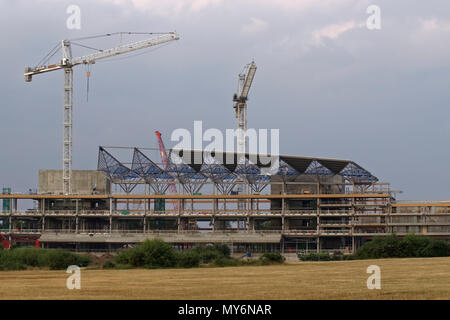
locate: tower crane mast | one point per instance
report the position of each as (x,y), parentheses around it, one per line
(240,104)
(67,63)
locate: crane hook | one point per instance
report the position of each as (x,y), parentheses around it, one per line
(88,75)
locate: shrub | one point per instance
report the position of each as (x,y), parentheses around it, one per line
(410,246)
(435,248)
(20,258)
(109,265)
(337,255)
(32,257)
(380,247)
(189,259)
(207,254)
(223,249)
(211,253)
(12,265)
(61,259)
(123,266)
(158,254)
(322,256)
(272,257)
(123,257)
(225,262)
(150,254)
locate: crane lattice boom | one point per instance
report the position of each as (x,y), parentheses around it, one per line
(66,63)
(245,81)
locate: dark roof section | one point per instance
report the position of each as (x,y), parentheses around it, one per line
(300,164)
(335,166)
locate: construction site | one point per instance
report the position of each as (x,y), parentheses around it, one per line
(191,197)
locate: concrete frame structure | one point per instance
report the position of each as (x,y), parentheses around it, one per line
(310,204)
(336,221)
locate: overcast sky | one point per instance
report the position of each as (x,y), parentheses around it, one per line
(334,88)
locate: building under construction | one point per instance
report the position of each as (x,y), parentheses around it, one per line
(307,204)
(310,204)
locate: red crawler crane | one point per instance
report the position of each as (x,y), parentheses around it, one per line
(4,242)
(165,161)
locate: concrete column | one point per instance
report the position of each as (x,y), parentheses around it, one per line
(318,244)
(10,215)
(76,216)
(215,206)
(42,215)
(110,214)
(318,217)
(145,222)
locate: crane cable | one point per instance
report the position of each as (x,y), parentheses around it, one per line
(116,33)
(49,55)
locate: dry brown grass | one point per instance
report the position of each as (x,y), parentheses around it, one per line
(401,279)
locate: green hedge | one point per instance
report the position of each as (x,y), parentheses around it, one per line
(150,254)
(189,259)
(212,252)
(272,257)
(158,254)
(410,246)
(22,258)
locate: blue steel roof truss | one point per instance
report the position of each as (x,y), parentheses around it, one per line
(193,177)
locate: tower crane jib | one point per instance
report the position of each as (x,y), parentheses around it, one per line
(66,63)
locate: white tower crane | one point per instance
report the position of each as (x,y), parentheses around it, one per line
(67,63)
(240,104)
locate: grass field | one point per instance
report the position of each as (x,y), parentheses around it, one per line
(400,279)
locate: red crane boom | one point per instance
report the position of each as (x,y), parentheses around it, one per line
(165,161)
